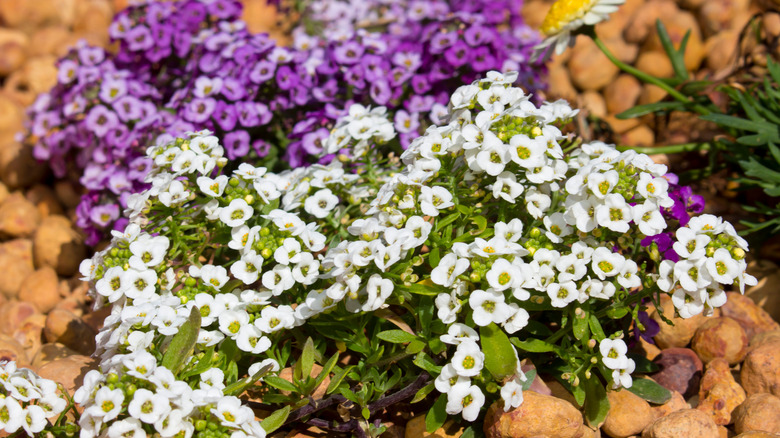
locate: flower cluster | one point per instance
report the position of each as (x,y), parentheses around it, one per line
(492,238)
(28,402)
(193,65)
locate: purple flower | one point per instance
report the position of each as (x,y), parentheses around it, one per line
(405,122)
(651,328)
(139,38)
(380,92)
(442,41)
(100,120)
(225,115)
(458,54)
(286,78)
(103,215)
(200,109)
(236,144)
(261,148)
(312,141)
(262,71)
(128,108)
(348,53)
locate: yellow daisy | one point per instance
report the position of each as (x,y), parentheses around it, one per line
(567,16)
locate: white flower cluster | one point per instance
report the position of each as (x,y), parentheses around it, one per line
(359,129)
(153,397)
(27,401)
(613,356)
(711,255)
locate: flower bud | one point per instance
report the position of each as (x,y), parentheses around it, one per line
(738,253)
(587,374)
(536,131)
(249,199)
(475,277)
(221,162)
(592,344)
(266,253)
(535,232)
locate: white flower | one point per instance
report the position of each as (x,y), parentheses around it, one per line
(321,203)
(231,322)
(458,333)
(236,213)
(722,267)
(489,306)
(231,413)
(248,268)
(622,376)
(511,232)
(289,252)
(465,399)
(11,414)
(606,263)
(613,353)
(507,187)
(504,275)
(214,276)
(212,187)
(627,276)
(278,280)
(148,406)
(692,275)
(570,268)
(492,156)
(648,218)
(306,270)
(689,303)
(601,184)
(434,199)
(468,359)
(448,378)
(536,202)
(556,227)
(561,294)
(528,153)
(614,213)
(275,318)
(140,283)
(448,306)
(378,290)
(127,428)
(108,403)
(174,194)
(113,284)
(518,320)
(148,251)
(690,244)
(706,223)
(654,188)
(512,394)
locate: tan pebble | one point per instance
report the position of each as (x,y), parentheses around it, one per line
(18,216)
(539,415)
(589,67)
(619,125)
(560,85)
(13,117)
(622,93)
(67,328)
(68,193)
(59,245)
(721,49)
(534,12)
(69,371)
(766,294)
(651,94)
(12,57)
(625,52)
(3,193)
(48,41)
(677,26)
(30,334)
(642,22)
(18,168)
(628,414)
(655,63)
(676,403)
(45,200)
(594,104)
(50,352)
(416,428)
(719,393)
(558,390)
(17,87)
(72,305)
(41,289)
(761,370)
(688,423)
(16,258)
(14,314)
(771,24)
(763,338)
(642,135)
(759,412)
(41,73)
(717,15)
(681,333)
(720,338)
(12,350)
(758,434)
(691,4)
(8,35)
(93,17)
(613,28)
(750,316)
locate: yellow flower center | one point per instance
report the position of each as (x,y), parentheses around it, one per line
(562,13)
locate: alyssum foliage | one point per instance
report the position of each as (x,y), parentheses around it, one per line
(497,239)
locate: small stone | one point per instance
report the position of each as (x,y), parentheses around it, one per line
(720,338)
(763,338)
(628,414)
(538,416)
(677,26)
(721,49)
(49,41)
(18,168)
(41,289)
(676,403)
(761,370)
(12,350)
(69,371)
(18,216)
(642,22)
(716,15)
(680,370)
(766,294)
(594,104)
(58,245)
(263,17)
(589,67)
(642,135)
(13,314)
(688,423)
(760,412)
(30,334)
(758,434)
(750,316)
(51,352)
(45,200)
(68,193)
(12,120)
(621,126)
(655,63)
(12,56)
(559,84)
(719,393)
(622,93)
(40,73)
(16,259)
(558,390)
(681,333)
(651,94)
(416,428)
(67,328)
(3,193)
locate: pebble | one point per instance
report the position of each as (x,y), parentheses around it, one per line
(12,350)
(750,316)
(67,328)
(45,200)
(679,334)
(688,423)
(69,371)
(59,245)
(18,168)
(766,294)
(538,416)
(628,414)
(676,403)
(415,428)
(719,393)
(761,370)
(589,67)
(758,434)
(18,216)
(759,412)
(16,258)
(680,370)
(720,338)
(622,93)
(41,289)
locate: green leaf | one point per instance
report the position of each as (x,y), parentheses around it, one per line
(480,222)
(437,415)
(757,170)
(501,360)
(533,345)
(464,210)
(433,257)
(183,343)
(275,420)
(580,325)
(529,379)
(596,403)
(676,57)
(424,361)
(338,378)
(307,359)
(649,108)
(742,124)
(326,369)
(281,384)
(423,392)
(643,365)
(396,336)
(617,311)
(415,347)
(595,328)
(450,218)
(239,386)
(650,391)
(423,289)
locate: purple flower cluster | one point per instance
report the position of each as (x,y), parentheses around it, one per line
(685,205)
(192,65)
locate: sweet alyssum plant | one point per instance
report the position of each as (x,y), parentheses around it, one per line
(495,239)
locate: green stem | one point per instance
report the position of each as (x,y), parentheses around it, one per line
(669,149)
(646,77)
